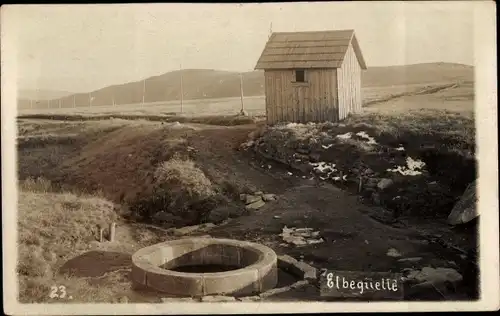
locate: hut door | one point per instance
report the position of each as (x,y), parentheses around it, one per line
(300,104)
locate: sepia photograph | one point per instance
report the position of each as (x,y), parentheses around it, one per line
(260,157)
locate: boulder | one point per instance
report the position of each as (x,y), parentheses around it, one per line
(368,172)
(255,205)
(465,209)
(393,253)
(384,183)
(252,199)
(268,197)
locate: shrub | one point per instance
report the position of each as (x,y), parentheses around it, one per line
(181,190)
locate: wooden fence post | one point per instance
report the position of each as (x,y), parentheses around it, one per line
(101,234)
(112,229)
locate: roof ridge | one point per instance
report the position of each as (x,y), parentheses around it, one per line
(319,31)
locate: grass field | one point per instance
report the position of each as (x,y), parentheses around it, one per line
(393,97)
(75,174)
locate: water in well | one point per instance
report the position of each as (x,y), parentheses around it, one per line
(207,268)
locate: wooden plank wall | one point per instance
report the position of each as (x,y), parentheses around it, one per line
(289,102)
(349,85)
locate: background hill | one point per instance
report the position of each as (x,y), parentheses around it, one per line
(207,84)
(42,94)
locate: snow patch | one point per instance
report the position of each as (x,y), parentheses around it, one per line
(300,236)
(364,135)
(323,166)
(326,146)
(413,167)
(344,136)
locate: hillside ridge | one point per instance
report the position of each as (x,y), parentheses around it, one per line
(212,83)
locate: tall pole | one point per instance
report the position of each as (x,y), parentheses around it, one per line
(90,99)
(241,91)
(182,90)
(113,98)
(143,90)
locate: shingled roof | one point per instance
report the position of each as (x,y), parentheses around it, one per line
(321,49)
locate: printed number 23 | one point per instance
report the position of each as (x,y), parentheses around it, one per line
(57,292)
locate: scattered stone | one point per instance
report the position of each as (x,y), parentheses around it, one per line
(414,259)
(289,173)
(297,268)
(393,253)
(250,298)
(176,299)
(243,197)
(384,183)
(218,298)
(274,291)
(368,172)
(259,193)
(255,205)
(123,299)
(299,284)
(247,144)
(276,216)
(269,197)
(252,199)
(465,209)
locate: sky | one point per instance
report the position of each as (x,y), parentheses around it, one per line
(80,48)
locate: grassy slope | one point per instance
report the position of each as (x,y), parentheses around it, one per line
(53,228)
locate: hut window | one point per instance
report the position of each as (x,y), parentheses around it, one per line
(300,76)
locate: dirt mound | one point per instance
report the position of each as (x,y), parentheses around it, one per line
(121,163)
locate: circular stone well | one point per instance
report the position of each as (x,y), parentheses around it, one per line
(206,266)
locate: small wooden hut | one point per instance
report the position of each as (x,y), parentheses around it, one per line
(312,76)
